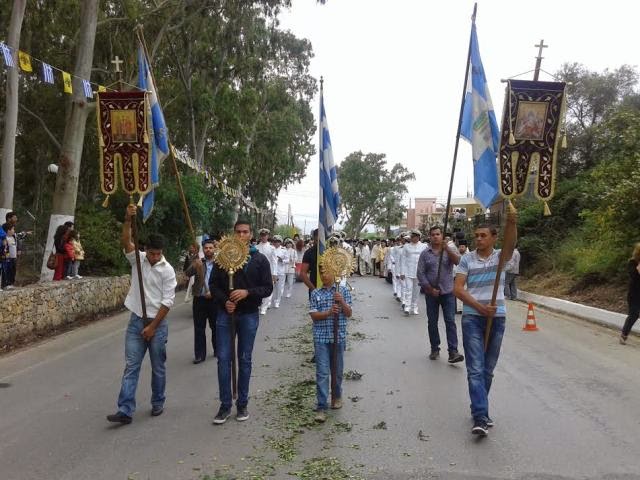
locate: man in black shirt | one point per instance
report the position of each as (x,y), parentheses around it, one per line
(309,269)
(251,284)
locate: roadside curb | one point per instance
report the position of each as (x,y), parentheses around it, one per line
(592,314)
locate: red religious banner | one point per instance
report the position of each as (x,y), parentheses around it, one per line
(123,137)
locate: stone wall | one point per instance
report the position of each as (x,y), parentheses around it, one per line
(38,309)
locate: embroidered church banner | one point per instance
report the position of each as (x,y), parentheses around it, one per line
(123,139)
(532,126)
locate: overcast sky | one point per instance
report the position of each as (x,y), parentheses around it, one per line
(394,73)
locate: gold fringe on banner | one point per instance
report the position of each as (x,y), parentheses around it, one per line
(547,211)
(105,203)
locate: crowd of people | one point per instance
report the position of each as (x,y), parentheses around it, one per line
(451,277)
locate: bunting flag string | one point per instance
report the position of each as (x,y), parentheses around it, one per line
(26,64)
(212,181)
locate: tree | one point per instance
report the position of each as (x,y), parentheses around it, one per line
(11,112)
(368,190)
(591,97)
(65,195)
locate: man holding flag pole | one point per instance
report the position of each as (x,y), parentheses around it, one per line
(484,313)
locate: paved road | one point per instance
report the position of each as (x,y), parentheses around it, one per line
(565,402)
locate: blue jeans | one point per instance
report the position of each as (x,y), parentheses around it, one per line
(324,358)
(480,364)
(135,347)
(246,328)
(448,303)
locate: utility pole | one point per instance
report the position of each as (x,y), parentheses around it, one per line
(539,58)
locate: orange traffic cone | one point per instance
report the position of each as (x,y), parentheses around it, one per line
(530,325)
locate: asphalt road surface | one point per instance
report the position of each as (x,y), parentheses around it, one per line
(565,401)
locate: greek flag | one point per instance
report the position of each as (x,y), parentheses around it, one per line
(159,139)
(479,127)
(47,73)
(6,53)
(88,91)
(329,196)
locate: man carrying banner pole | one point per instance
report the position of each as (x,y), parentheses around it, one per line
(480,270)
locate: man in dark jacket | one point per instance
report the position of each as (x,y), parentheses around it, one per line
(251,284)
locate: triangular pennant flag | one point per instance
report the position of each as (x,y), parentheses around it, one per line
(25,61)
(66,79)
(102,89)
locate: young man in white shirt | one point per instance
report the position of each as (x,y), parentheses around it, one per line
(282,259)
(408,272)
(159,281)
(268,250)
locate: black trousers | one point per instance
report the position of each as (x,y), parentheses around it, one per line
(634,312)
(203,310)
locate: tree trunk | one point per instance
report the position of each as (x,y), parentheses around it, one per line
(64,197)
(11,112)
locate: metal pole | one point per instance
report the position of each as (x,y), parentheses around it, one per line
(455,150)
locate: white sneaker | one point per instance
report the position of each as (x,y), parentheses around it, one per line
(9,287)
(277,305)
(69,278)
(415,312)
(78,277)
(288,296)
(263,311)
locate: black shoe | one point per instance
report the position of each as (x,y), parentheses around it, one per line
(242,414)
(198,360)
(434,354)
(119,417)
(455,357)
(222,416)
(157,410)
(480,427)
(490,422)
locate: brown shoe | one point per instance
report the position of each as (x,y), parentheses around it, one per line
(321,416)
(336,404)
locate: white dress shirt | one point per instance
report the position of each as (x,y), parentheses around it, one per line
(159,282)
(269,251)
(282,259)
(409,256)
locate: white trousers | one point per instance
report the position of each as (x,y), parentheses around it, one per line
(291,278)
(278,289)
(411,294)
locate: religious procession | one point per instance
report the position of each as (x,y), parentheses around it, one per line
(435,291)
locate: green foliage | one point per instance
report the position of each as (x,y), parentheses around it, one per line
(369,192)
(100,237)
(285,231)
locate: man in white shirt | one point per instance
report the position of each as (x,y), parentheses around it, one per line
(282,260)
(148,328)
(408,272)
(512,270)
(268,250)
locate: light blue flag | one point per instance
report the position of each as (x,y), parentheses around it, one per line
(479,127)
(329,196)
(159,139)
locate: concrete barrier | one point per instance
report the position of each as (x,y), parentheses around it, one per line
(44,307)
(592,314)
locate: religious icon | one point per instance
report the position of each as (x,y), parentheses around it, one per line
(530,120)
(123,126)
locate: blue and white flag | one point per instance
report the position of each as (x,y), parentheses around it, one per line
(329,196)
(6,53)
(479,127)
(159,139)
(47,73)
(88,91)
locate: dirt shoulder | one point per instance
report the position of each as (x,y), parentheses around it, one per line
(611,297)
